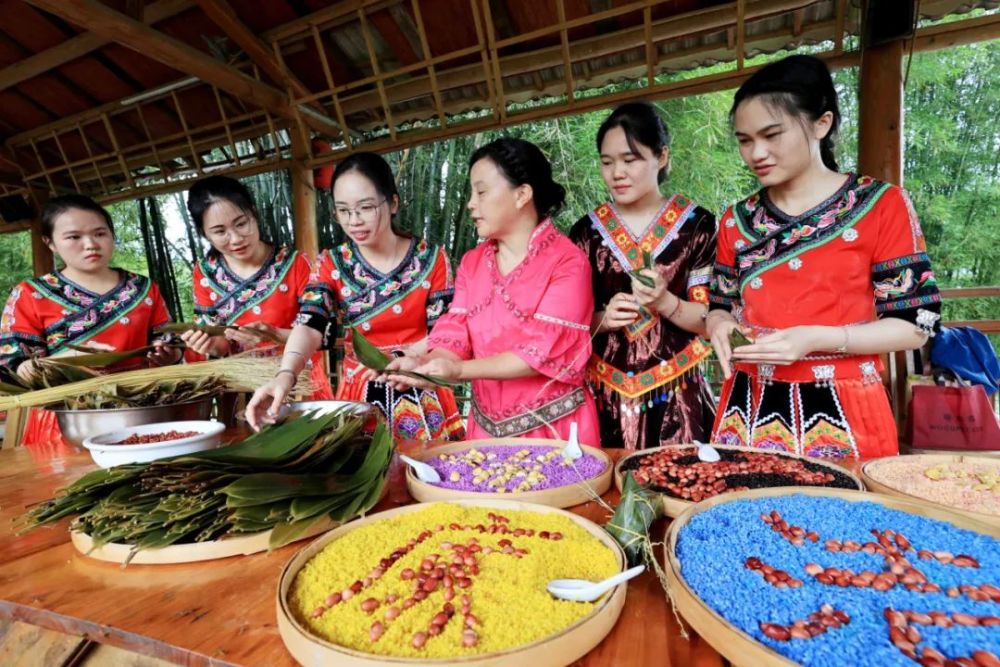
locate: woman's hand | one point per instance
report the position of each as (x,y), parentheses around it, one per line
(255,333)
(403,382)
(621,311)
(205,345)
(783,347)
(266,401)
(163,354)
(718,333)
(656,298)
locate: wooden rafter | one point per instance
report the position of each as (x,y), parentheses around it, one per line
(265,58)
(81,45)
(103,20)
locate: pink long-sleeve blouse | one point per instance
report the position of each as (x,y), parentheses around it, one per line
(540,311)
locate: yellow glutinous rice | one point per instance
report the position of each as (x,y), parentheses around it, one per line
(497,582)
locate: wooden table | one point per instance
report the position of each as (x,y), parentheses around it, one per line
(223,612)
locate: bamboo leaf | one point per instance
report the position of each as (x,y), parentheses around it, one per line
(738,339)
(369,355)
(286,533)
(93,359)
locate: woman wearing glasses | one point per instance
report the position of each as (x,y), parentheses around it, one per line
(243,280)
(390,287)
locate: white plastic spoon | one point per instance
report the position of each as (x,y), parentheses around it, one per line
(707,453)
(581,590)
(572,449)
(425,473)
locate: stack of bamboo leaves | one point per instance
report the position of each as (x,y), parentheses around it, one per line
(286,478)
(70,379)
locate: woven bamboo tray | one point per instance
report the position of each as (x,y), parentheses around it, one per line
(563,648)
(673,507)
(930,459)
(227,547)
(560,496)
(735,645)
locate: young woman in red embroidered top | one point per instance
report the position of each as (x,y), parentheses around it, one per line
(647,352)
(824,270)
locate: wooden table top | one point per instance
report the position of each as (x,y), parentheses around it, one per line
(223,612)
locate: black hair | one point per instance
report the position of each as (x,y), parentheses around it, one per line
(523,163)
(800,86)
(207,191)
(642,124)
(59,205)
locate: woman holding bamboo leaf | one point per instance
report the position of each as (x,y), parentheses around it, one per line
(390,288)
(518,328)
(651,257)
(824,270)
(85,305)
(243,283)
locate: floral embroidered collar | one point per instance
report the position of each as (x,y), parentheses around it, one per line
(659,233)
(772,237)
(235,295)
(87,313)
(540,239)
(366,291)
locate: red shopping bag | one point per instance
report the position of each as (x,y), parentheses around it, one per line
(952,418)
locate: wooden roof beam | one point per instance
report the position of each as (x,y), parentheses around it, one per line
(222,15)
(81,45)
(115,26)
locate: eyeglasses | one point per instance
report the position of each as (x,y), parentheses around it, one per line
(241,228)
(364,213)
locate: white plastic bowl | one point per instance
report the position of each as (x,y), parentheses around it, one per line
(106,454)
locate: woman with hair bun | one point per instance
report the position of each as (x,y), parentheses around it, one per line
(519,325)
(824,271)
(646,366)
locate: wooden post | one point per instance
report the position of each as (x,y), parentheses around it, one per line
(880,155)
(42,261)
(304,206)
(303,198)
(880,103)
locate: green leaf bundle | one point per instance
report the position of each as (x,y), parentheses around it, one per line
(738,339)
(638,508)
(647,260)
(373,358)
(286,478)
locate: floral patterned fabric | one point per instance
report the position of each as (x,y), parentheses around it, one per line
(271,295)
(393,310)
(647,376)
(858,256)
(45,315)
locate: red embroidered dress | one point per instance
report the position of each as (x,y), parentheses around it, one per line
(271,295)
(541,312)
(858,256)
(45,315)
(393,310)
(647,375)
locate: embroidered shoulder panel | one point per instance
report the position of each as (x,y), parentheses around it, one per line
(776,238)
(235,295)
(366,292)
(664,228)
(87,313)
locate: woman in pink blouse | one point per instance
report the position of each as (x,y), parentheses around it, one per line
(519,325)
